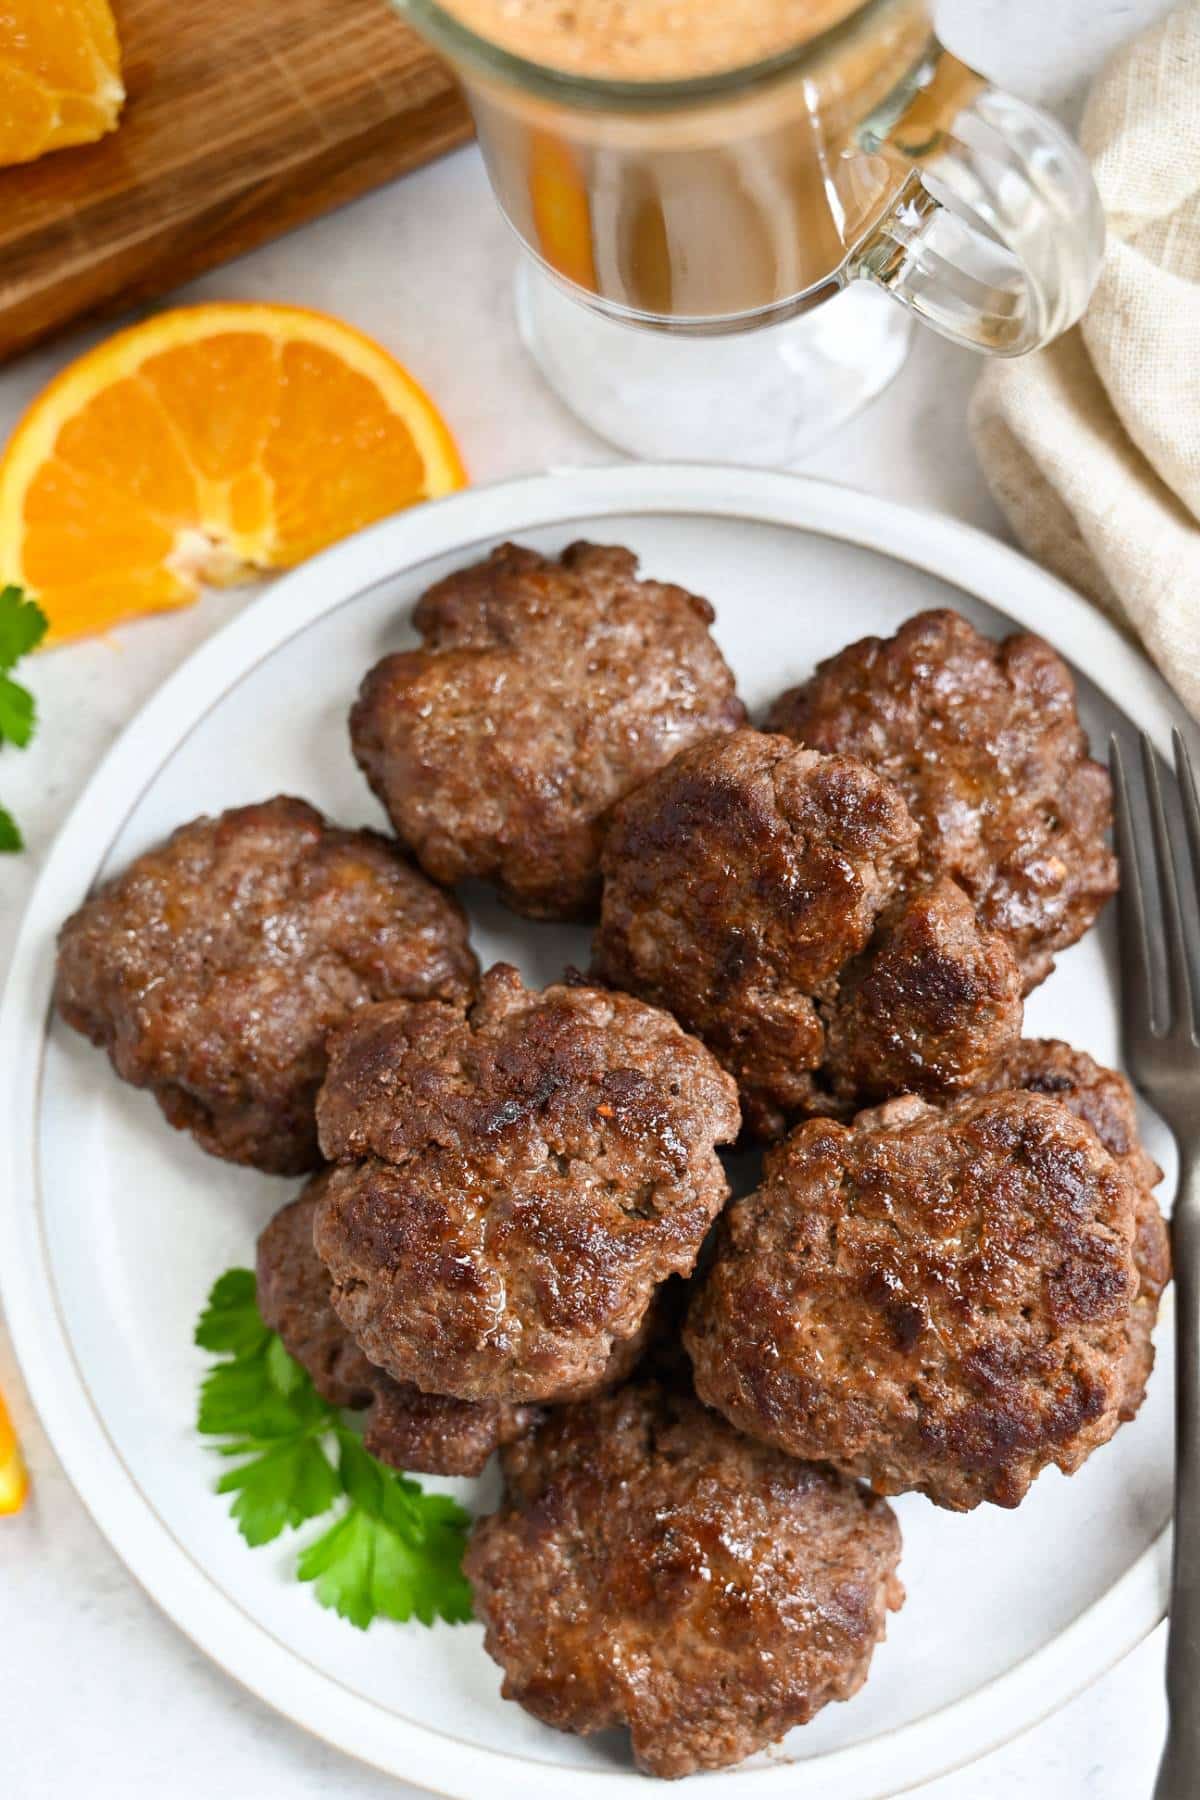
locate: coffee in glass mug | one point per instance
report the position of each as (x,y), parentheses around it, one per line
(720,168)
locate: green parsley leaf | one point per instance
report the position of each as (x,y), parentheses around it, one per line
(263,1400)
(396,1551)
(230,1323)
(18,712)
(289,1483)
(242,1399)
(23,625)
(287,1376)
(342,1564)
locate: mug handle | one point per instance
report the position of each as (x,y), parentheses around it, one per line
(996,236)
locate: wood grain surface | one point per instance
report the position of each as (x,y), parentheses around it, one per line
(244,118)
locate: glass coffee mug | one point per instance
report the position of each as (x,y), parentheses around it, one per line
(768,210)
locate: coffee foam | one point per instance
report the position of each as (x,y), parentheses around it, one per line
(649,40)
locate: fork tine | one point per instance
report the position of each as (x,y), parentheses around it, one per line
(1180,1012)
(1137,991)
(1191,800)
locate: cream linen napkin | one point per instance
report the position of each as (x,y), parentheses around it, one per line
(1092,447)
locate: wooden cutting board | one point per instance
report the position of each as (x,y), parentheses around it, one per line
(244,117)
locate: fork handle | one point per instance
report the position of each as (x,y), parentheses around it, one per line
(1179,1775)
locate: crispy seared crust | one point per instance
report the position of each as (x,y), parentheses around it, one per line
(213,968)
(431,1434)
(1104,1100)
(736,885)
(427,1434)
(651,1568)
(515,1182)
(984,742)
(933,1300)
(544,692)
(932,1007)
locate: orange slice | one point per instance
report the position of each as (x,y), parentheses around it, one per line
(60,75)
(14,1483)
(204,446)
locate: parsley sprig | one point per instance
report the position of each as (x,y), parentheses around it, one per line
(22,628)
(394,1551)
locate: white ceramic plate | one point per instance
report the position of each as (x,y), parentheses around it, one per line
(112,1227)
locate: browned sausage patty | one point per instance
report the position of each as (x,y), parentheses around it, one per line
(984,742)
(1104,1100)
(292,1294)
(213,968)
(933,1006)
(425,1433)
(516,1181)
(651,1568)
(737,883)
(941,1301)
(544,692)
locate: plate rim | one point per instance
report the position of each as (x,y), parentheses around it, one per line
(953,1736)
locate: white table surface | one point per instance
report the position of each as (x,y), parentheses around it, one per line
(99,1693)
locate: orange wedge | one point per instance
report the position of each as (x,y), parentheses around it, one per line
(204,446)
(14,1483)
(60,75)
